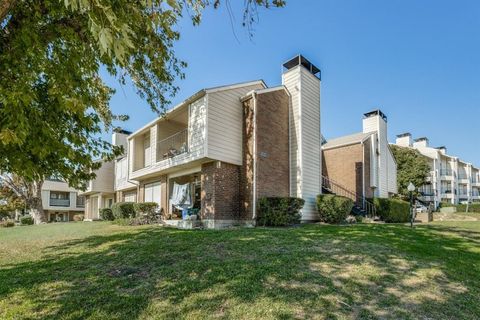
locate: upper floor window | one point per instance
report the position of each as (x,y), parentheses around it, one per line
(80,201)
(59,199)
(147,156)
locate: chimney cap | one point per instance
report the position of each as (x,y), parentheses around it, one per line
(421,139)
(122,131)
(301,60)
(402,135)
(441,148)
(377,112)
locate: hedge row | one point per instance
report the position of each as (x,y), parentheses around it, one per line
(472,207)
(392,210)
(279,211)
(142,213)
(333,208)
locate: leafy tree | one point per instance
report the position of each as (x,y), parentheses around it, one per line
(10,201)
(54,105)
(412,166)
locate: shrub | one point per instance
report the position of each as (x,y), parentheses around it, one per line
(26,220)
(333,208)
(123,210)
(279,211)
(106,214)
(473,207)
(147,212)
(7,223)
(392,210)
(78,217)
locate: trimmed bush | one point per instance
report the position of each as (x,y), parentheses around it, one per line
(26,220)
(7,224)
(472,207)
(78,217)
(392,210)
(122,210)
(106,214)
(147,212)
(279,211)
(333,208)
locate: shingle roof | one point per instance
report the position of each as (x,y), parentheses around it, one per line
(347,140)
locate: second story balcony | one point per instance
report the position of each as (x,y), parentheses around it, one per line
(446,172)
(60,202)
(173,145)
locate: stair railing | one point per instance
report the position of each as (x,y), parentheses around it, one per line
(360,201)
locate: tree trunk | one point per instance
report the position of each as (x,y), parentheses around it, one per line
(36,205)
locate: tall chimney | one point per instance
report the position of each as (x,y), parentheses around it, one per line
(421,143)
(119,138)
(404,140)
(302,80)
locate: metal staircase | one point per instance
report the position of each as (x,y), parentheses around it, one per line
(361,207)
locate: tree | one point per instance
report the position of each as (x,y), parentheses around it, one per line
(10,200)
(412,167)
(54,105)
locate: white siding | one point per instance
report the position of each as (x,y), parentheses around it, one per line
(392,174)
(62,187)
(104,182)
(305,154)
(225,123)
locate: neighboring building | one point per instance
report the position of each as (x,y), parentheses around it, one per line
(227,147)
(451,179)
(100,192)
(60,202)
(362,163)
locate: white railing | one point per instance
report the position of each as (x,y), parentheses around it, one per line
(60,202)
(173,146)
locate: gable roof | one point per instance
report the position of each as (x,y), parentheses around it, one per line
(347,140)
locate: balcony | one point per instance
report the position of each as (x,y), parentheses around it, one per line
(446,172)
(173,145)
(80,202)
(60,202)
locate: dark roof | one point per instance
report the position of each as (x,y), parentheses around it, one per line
(301,60)
(377,112)
(406,134)
(120,130)
(421,139)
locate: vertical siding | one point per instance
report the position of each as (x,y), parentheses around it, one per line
(225,119)
(311,153)
(197,123)
(291,80)
(104,182)
(305,154)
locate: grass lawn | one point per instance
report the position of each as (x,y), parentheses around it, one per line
(103,271)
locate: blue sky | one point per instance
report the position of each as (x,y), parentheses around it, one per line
(418,61)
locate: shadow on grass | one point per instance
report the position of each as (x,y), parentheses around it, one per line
(364,271)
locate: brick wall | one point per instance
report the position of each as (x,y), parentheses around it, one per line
(272,154)
(344,165)
(220,191)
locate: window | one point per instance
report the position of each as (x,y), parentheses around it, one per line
(130,196)
(153,192)
(109,203)
(80,201)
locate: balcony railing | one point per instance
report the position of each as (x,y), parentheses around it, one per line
(173,146)
(446,172)
(462,176)
(60,202)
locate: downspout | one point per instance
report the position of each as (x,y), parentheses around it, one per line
(254,191)
(363,174)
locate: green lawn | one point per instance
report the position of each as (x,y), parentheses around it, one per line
(105,271)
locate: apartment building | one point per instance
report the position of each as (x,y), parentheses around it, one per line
(451,180)
(362,164)
(223,148)
(61,202)
(100,191)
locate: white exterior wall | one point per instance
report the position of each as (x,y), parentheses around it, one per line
(104,181)
(225,124)
(305,141)
(386,167)
(61,187)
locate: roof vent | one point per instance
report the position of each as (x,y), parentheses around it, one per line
(301,60)
(403,135)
